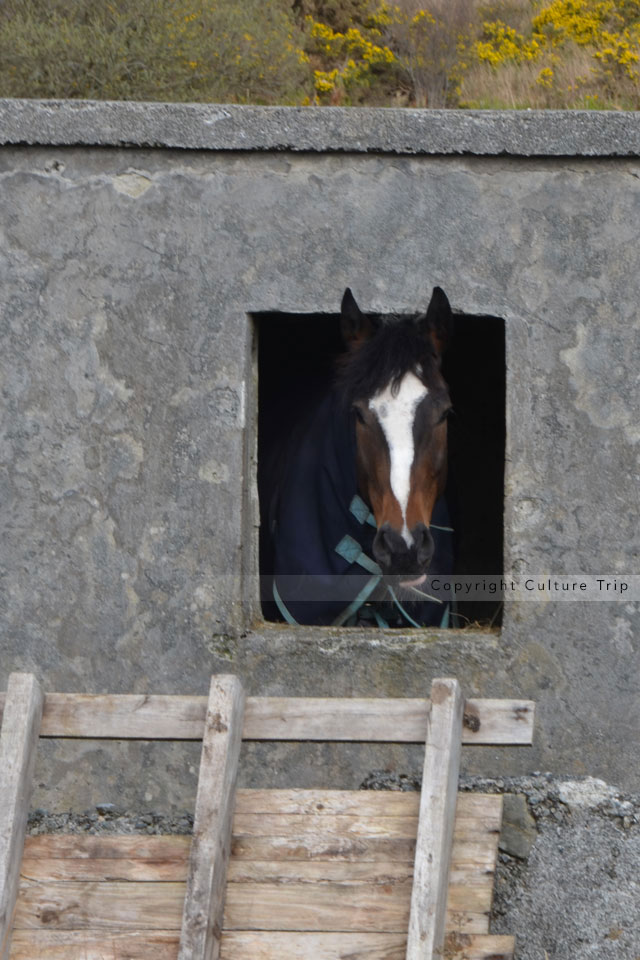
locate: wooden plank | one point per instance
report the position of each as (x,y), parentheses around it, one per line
(242,945)
(332,906)
(499,722)
(109,869)
(378,720)
(94,945)
(99,906)
(343,905)
(387,803)
(128,847)
(364,803)
(159,717)
(241,871)
(211,842)
(466,854)
(288,825)
(18,742)
(124,716)
(436,826)
(354,874)
(355,848)
(373,874)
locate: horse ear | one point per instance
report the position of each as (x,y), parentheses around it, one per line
(438,321)
(355,326)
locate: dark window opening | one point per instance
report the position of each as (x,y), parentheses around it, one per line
(474,368)
(296,360)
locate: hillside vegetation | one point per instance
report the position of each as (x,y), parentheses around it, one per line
(449,53)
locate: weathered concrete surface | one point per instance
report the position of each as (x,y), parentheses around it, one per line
(197,126)
(128,278)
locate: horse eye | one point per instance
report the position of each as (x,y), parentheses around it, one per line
(445,414)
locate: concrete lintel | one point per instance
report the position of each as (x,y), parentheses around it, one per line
(195,126)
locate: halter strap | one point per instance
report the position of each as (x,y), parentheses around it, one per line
(351,551)
(361,511)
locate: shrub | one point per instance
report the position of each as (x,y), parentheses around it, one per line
(587,54)
(152,50)
(430,44)
(347,64)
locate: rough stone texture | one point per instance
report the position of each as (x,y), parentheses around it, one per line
(527,133)
(128,397)
(518,827)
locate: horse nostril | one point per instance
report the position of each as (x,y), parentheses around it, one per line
(423,542)
(387,543)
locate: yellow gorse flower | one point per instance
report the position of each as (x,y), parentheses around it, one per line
(503,44)
(354,52)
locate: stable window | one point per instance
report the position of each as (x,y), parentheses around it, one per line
(297,355)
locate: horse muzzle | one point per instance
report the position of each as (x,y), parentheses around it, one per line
(398,559)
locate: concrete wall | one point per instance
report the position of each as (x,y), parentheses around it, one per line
(130,269)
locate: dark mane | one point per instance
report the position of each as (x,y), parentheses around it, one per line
(397,347)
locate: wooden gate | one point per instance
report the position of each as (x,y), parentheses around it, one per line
(286,874)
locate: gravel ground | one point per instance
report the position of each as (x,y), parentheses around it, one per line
(568,878)
(577,894)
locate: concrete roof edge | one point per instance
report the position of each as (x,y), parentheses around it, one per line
(198,126)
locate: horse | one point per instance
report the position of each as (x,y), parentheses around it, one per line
(356,518)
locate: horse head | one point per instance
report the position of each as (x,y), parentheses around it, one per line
(391,378)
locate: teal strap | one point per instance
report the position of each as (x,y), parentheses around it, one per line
(281,606)
(402,609)
(437,527)
(351,551)
(380,620)
(362,598)
(361,511)
(445,617)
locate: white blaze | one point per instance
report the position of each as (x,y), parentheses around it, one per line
(396,415)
